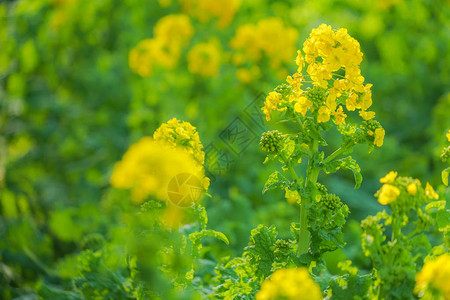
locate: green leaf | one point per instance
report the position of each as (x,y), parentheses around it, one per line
(197,236)
(444,176)
(347,163)
(260,249)
(275,180)
(288,148)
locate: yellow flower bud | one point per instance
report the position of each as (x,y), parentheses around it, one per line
(388,194)
(412,189)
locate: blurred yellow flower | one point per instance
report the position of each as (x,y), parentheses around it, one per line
(411,189)
(448,135)
(289,284)
(205,10)
(148,166)
(171,33)
(389,177)
(432,282)
(174,30)
(204,59)
(269,39)
(430,193)
(388,194)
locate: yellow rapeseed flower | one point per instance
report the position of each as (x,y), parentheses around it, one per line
(411,189)
(434,278)
(183,134)
(171,33)
(205,10)
(174,30)
(269,39)
(323,114)
(148,166)
(289,284)
(379,137)
(339,115)
(448,135)
(389,177)
(204,59)
(388,194)
(271,104)
(302,105)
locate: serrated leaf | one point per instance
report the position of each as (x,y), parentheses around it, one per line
(347,163)
(275,180)
(288,148)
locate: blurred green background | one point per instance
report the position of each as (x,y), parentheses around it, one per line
(70,105)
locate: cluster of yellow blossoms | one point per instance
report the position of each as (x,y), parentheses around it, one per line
(171,33)
(389,192)
(179,133)
(289,284)
(333,59)
(204,59)
(150,164)
(205,10)
(433,281)
(269,41)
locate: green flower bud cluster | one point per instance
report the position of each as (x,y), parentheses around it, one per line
(283,89)
(317,95)
(331,201)
(371,125)
(321,188)
(271,141)
(445,155)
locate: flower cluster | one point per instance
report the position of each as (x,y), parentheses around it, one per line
(171,33)
(394,186)
(205,10)
(333,58)
(204,59)
(432,282)
(148,166)
(268,42)
(289,284)
(179,133)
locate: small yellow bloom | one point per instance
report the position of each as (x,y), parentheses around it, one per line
(448,135)
(379,137)
(302,105)
(367,115)
(412,189)
(289,284)
(389,177)
(339,115)
(323,114)
(430,193)
(388,194)
(271,104)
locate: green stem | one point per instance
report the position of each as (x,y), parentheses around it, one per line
(311,178)
(336,153)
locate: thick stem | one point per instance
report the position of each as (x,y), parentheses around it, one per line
(311,178)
